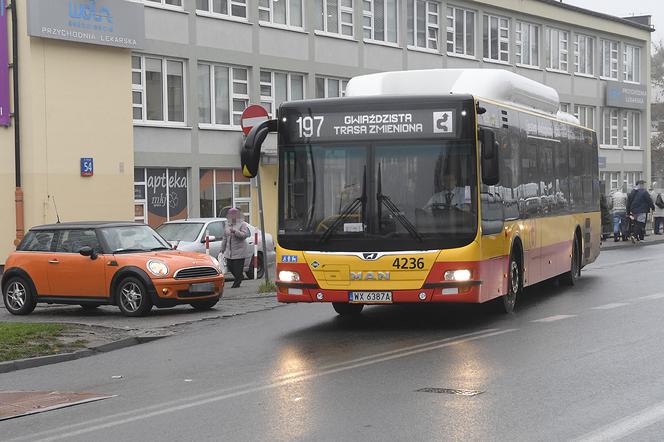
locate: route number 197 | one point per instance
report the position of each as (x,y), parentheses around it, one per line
(308,125)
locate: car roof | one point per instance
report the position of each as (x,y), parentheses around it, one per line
(86,225)
(194,220)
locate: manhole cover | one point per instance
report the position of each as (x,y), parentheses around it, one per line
(450,391)
(22,403)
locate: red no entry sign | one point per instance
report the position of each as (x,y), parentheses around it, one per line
(252,116)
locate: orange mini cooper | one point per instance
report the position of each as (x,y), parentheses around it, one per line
(118,263)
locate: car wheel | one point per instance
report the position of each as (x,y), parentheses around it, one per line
(345,309)
(261,268)
(19,297)
(205,304)
(133,298)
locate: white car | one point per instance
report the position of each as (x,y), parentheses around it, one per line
(189,236)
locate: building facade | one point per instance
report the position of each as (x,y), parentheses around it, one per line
(203,61)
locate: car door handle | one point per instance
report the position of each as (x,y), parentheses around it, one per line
(54,261)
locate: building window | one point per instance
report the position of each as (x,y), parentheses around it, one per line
(611,179)
(380,20)
(586,115)
(564,107)
(558,41)
(423,24)
(228,8)
(460,31)
(176,3)
(158,90)
(160,195)
(630,179)
(584,54)
(327,87)
(277,87)
(496,38)
(631,129)
(335,17)
(609,56)
(282,12)
(610,127)
(632,64)
(222,189)
(223,94)
(527,43)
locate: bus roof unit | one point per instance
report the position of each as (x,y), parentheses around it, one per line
(492,84)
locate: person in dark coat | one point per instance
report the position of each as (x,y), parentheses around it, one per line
(639,204)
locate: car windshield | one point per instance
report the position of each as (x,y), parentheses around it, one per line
(416,194)
(128,239)
(187,232)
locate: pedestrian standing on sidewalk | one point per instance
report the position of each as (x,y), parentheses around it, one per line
(639,204)
(618,204)
(234,245)
(659,211)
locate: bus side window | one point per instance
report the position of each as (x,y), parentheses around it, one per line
(529,187)
(510,170)
(491,197)
(561,168)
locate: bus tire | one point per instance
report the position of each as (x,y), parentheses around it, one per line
(345,309)
(507,302)
(570,277)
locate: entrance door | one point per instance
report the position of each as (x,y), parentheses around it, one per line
(70,273)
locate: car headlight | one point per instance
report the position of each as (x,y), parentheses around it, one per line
(289,276)
(216,263)
(157,268)
(458,275)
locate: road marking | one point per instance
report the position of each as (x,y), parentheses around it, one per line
(610,306)
(627,425)
(652,297)
(140,414)
(554,318)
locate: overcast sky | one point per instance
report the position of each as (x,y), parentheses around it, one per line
(624,8)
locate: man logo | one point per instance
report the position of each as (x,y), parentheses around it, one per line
(370,276)
(443,122)
(370,256)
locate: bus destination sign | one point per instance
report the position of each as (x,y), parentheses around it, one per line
(429,123)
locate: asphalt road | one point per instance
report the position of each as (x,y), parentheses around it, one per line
(584,363)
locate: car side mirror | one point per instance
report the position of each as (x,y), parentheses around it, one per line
(489,157)
(88,251)
(210,238)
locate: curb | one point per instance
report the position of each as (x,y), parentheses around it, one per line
(629,245)
(22,364)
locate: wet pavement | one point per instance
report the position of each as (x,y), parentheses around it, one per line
(582,362)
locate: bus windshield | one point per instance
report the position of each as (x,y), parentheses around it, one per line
(416,194)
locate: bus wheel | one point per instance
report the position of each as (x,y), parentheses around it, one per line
(507,302)
(570,277)
(347,310)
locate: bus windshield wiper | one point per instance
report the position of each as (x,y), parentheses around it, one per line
(384,200)
(359,202)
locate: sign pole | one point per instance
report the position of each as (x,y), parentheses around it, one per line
(266,267)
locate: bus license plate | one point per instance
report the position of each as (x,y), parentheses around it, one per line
(370,297)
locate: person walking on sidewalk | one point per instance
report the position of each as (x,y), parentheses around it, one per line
(618,206)
(658,222)
(639,204)
(234,246)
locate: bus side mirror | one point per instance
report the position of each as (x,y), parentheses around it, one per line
(489,155)
(251,151)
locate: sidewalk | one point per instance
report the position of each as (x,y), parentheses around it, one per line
(650,240)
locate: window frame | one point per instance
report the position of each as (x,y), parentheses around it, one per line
(343,83)
(519,44)
(589,42)
(270,11)
(163,5)
(144,121)
(562,53)
(631,140)
(371,15)
(146,212)
(229,7)
(341,10)
(631,52)
(271,100)
(614,126)
(582,112)
(488,39)
(234,200)
(470,50)
(413,28)
(613,62)
(232,96)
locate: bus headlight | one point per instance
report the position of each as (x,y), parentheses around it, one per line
(458,275)
(157,268)
(289,276)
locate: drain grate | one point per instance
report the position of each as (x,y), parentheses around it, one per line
(454,391)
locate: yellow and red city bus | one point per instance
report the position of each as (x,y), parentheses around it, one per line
(430,186)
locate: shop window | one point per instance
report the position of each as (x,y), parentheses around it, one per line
(460,31)
(282,12)
(327,87)
(527,44)
(496,38)
(335,17)
(158,90)
(221,189)
(380,21)
(223,94)
(228,8)
(277,87)
(160,195)
(423,24)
